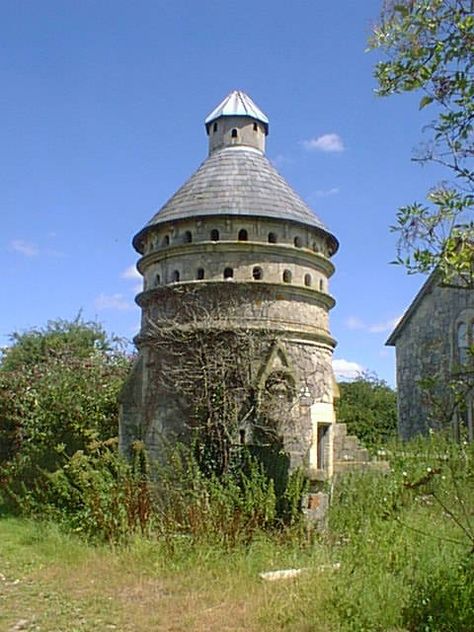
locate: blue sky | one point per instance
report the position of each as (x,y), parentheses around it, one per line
(102,108)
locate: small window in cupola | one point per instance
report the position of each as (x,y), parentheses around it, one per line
(255,127)
(243,235)
(234,133)
(214,128)
(188,237)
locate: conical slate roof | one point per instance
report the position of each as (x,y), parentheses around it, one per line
(236,181)
(237,103)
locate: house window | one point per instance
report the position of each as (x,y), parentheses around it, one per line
(200,274)
(166,240)
(272,238)
(243,235)
(214,234)
(297,241)
(463,343)
(321,285)
(214,127)
(188,237)
(307,280)
(257,273)
(228,273)
(287,276)
(175,276)
(255,127)
(157,280)
(234,133)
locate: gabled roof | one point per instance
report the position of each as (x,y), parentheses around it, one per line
(237,103)
(425,289)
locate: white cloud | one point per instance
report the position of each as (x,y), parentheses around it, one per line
(112,301)
(326,192)
(131,273)
(346,369)
(23,247)
(326,142)
(355,323)
(388,325)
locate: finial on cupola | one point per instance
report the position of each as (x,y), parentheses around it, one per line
(236,121)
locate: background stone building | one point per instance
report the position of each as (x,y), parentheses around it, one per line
(236,249)
(434,366)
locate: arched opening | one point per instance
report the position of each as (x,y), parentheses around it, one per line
(234,133)
(166,240)
(272,238)
(255,127)
(321,285)
(214,234)
(298,242)
(257,273)
(243,235)
(214,128)
(287,276)
(188,237)
(200,274)
(175,276)
(157,280)
(228,273)
(308,280)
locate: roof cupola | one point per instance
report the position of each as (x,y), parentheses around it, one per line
(236,121)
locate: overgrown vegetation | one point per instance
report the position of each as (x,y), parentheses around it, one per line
(58,394)
(397,554)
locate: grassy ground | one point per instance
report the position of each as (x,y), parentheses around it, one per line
(403,565)
(52,582)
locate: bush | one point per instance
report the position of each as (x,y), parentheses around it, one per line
(58,393)
(369,408)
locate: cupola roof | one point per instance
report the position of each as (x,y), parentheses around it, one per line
(236,180)
(237,103)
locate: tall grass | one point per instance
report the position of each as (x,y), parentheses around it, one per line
(397,553)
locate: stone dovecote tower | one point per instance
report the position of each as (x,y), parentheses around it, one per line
(237,234)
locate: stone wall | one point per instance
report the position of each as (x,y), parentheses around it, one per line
(426,349)
(154,413)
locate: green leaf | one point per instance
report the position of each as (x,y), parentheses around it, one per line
(426,100)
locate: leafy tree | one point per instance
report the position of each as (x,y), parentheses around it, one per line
(429,47)
(369,408)
(77,337)
(58,393)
